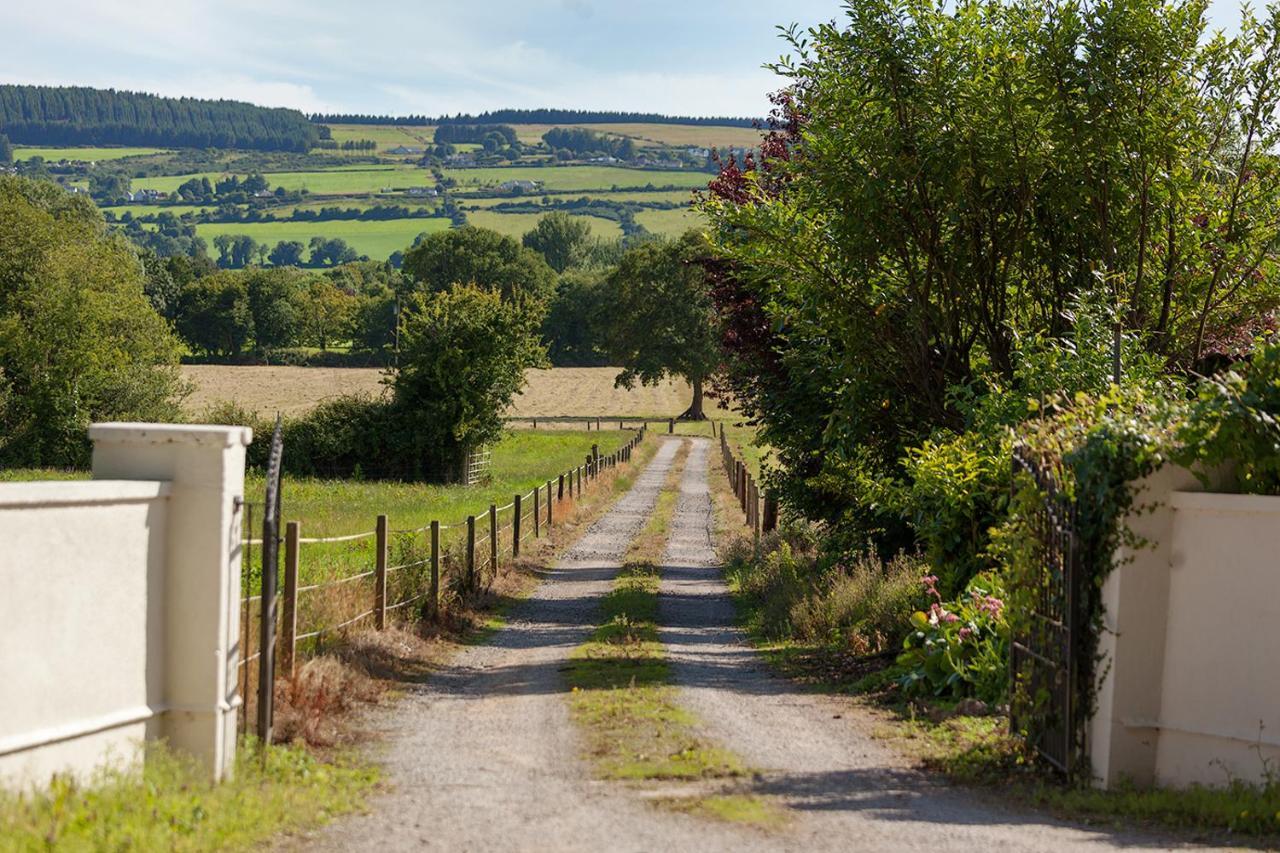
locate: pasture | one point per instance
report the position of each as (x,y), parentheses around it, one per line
(678,135)
(89,154)
(385,135)
(575,178)
(580,391)
(376,238)
(521,460)
(670,223)
(517,224)
(342,180)
(682,197)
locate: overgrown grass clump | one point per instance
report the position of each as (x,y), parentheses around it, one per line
(169,805)
(789,592)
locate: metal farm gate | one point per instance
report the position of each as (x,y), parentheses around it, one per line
(1044,670)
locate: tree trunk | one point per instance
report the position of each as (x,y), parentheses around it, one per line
(694,412)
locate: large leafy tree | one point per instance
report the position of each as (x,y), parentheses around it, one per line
(79,340)
(215,315)
(486,259)
(563,240)
(659,320)
(946,185)
(463,357)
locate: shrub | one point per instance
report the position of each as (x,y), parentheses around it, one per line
(961,647)
(796,593)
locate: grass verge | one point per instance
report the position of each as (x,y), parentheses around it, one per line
(167,805)
(977,751)
(622,697)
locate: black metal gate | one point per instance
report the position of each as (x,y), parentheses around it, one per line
(266,599)
(1046,698)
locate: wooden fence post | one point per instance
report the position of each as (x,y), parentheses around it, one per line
(380,576)
(549,520)
(770,513)
(435,569)
(671,426)
(560,491)
(597,423)
(471,552)
(289,620)
(515,530)
(535,423)
(537,513)
(493,539)
(588,424)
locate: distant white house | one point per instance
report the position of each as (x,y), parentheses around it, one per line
(146,195)
(463,159)
(519,186)
(430,192)
(404,149)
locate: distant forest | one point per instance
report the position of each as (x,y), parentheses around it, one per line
(65,115)
(538,117)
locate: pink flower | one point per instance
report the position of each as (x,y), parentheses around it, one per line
(964,633)
(938,613)
(992,606)
(931,586)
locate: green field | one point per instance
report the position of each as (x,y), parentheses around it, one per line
(682,197)
(387,136)
(375,239)
(343,180)
(94,154)
(575,178)
(671,223)
(517,224)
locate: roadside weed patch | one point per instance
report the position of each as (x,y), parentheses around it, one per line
(167,805)
(732,808)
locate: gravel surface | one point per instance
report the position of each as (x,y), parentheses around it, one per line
(845,789)
(485,756)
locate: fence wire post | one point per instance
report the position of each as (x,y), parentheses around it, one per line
(549,505)
(380,576)
(537,513)
(560,490)
(435,569)
(493,539)
(471,552)
(515,530)
(289,619)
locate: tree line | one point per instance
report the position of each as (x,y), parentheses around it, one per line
(538,116)
(77,115)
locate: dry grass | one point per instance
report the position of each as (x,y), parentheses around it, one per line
(559,391)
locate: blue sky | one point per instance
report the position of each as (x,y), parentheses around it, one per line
(689,57)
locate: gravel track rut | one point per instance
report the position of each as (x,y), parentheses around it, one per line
(485,757)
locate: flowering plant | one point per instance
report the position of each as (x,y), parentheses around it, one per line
(959,648)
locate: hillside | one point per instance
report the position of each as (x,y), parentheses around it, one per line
(78,115)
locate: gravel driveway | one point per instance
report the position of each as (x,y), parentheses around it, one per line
(485,756)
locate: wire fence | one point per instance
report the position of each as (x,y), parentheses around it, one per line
(760,512)
(408,575)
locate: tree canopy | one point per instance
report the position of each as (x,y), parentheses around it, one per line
(659,320)
(561,239)
(487,259)
(77,115)
(79,340)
